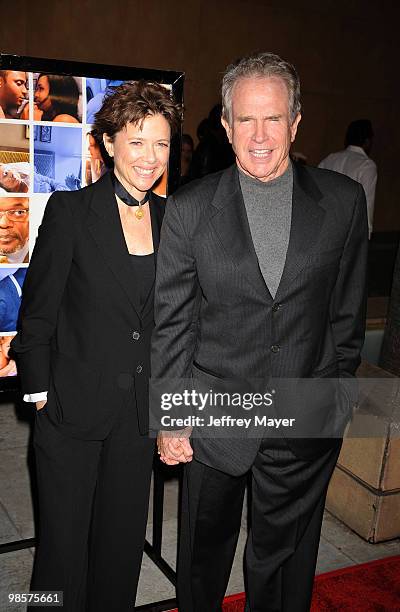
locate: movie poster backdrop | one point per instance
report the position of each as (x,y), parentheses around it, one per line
(47,108)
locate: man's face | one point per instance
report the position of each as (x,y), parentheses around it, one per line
(140,153)
(13,89)
(14,224)
(11,180)
(261,132)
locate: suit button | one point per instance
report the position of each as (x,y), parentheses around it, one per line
(136,335)
(276,307)
(275,348)
(139,369)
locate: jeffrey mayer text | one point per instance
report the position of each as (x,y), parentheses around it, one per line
(225,421)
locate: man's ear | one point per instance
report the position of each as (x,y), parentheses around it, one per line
(294,126)
(228,129)
(108,145)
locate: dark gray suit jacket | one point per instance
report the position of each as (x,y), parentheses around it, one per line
(213,307)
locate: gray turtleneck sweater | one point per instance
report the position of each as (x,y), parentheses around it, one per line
(269,211)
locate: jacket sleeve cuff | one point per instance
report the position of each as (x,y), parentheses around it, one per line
(35,397)
(33,367)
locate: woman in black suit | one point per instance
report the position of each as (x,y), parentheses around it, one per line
(86,321)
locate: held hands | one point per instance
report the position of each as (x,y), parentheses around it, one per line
(174,446)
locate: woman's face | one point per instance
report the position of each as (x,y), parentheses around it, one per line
(42,94)
(11,180)
(5,347)
(140,153)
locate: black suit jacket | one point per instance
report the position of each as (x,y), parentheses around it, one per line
(213,307)
(82,334)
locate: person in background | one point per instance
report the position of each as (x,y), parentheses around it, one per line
(95,164)
(7,365)
(14,230)
(83,354)
(10,299)
(214,151)
(14,178)
(186,158)
(95,103)
(13,93)
(56,98)
(354,161)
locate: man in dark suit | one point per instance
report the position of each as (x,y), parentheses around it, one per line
(261,274)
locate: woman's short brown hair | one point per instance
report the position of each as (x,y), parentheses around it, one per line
(131,103)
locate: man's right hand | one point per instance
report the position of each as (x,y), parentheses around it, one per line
(40,405)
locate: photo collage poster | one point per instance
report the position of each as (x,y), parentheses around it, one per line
(45,146)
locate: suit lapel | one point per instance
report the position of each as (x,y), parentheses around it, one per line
(231,224)
(106,229)
(157,209)
(307,219)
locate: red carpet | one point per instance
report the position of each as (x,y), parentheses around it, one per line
(370,587)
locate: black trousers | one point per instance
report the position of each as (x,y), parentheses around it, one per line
(288,498)
(93,502)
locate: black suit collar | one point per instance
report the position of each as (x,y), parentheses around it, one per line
(106,229)
(307,219)
(231,224)
(228,187)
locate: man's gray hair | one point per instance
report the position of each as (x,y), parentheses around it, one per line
(261,65)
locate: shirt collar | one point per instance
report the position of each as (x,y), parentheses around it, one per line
(356,149)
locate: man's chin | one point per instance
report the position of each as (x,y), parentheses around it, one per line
(11,251)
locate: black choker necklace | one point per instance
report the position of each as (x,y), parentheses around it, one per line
(127,198)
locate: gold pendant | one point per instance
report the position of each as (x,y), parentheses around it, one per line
(139,212)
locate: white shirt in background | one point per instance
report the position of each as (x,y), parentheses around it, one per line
(355,163)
